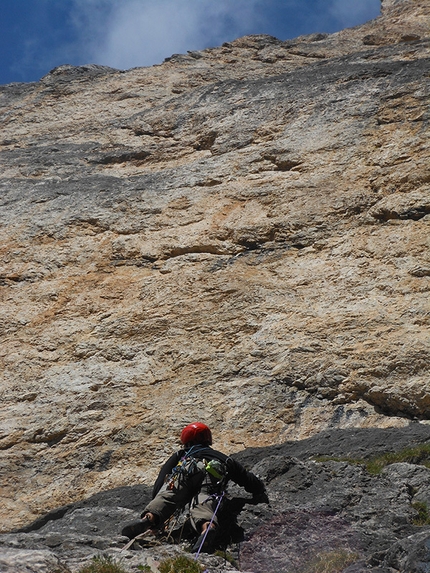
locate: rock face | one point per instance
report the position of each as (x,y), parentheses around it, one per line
(238,235)
(321,513)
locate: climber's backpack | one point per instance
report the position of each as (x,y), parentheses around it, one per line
(211,472)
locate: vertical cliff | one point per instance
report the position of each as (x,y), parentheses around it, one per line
(238,235)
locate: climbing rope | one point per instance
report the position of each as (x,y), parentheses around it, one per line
(219,497)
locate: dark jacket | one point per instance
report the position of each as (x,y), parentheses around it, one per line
(235,471)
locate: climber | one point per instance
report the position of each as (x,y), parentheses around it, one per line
(196,475)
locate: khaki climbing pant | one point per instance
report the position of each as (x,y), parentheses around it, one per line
(169,499)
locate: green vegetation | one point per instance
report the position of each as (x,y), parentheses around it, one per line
(416,455)
(181,564)
(102,564)
(227,557)
(105,564)
(331,562)
(423,517)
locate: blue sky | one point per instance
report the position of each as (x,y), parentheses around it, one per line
(38,35)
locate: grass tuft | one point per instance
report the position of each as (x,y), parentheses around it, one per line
(331,562)
(419,455)
(181,564)
(102,564)
(423,516)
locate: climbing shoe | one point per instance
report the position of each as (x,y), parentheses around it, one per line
(205,544)
(135,528)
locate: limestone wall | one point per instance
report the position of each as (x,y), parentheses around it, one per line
(239,235)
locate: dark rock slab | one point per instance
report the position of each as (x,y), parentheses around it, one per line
(331,513)
(359,443)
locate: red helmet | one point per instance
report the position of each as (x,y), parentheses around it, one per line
(196,433)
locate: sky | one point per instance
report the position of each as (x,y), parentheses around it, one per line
(38,35)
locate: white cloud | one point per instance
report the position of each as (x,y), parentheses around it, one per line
(130,33)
